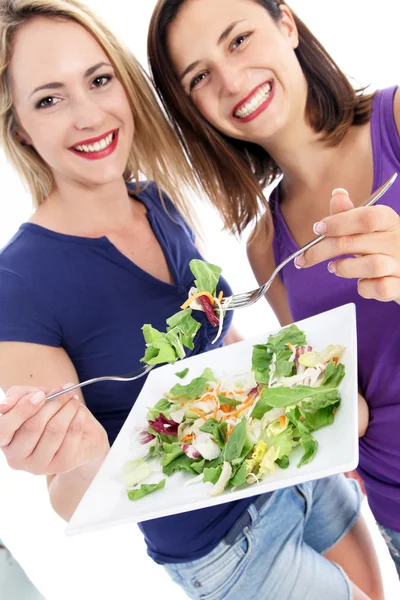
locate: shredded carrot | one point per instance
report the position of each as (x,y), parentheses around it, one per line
(249,401)
(190,300)
(220,296)
(199,412)
(335,360)
(187,438)
(229,431)
(226,408)
(214,413)
(218,390)
(282,421)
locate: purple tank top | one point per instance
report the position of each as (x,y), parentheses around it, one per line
(314,290)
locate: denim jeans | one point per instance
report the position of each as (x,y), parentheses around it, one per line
(278,554)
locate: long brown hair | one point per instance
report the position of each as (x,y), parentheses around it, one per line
(155,151)
(233,172)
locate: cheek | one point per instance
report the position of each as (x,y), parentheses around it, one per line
(207,105)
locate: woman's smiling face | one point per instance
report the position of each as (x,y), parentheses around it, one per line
(70,105)
(239,67)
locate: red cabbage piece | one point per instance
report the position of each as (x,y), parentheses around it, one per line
(209,311)
(145,437)
(164,425)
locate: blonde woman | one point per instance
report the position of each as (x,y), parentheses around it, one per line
(99,257)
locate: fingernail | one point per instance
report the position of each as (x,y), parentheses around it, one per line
(331,267)
(37,398)
(299,261)
(319,227)
(340,191)
(3,400)
(76,397)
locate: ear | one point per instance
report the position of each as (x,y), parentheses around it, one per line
(288,25)
(23,138)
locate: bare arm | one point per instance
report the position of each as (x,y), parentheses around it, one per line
(61,438)
(261,258)
(396,109)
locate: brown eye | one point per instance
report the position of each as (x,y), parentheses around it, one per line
(196,80)
(47,102)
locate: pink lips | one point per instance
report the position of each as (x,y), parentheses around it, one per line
(260,109)
(100,153)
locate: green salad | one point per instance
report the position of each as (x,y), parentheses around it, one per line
(236,431)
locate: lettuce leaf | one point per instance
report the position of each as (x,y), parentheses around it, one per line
(145,488)
(207,276)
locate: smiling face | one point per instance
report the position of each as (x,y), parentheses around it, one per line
(70,106)
(239,67)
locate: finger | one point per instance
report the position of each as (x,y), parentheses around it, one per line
(30,415)
(384,289)
(52,438)
(331,247)
(12,418)
(340,201)
(364,219)
(369,267)
(14,395)
(70,450)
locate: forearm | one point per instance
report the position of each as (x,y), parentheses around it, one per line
(233,336)
(363,416)
(66,490)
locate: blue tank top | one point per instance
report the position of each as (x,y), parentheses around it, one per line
(85,296)
(314,290)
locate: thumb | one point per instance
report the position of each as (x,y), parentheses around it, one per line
(340,201)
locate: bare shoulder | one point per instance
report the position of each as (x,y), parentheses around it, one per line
(262,261)
(396,109)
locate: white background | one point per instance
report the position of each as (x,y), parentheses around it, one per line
(363,39)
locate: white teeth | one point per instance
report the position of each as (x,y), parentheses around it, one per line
(252,105)
(97,146)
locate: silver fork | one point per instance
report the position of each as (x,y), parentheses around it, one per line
(248,298)
(127,377)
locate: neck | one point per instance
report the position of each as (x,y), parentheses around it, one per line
(90,211)
(304,159)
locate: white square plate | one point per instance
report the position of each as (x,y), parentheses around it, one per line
(106,502)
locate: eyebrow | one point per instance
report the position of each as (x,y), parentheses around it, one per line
(221,39)
(54,85)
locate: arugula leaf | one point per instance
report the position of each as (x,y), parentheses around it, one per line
(280,397)
(236,441)
(207,275)
(182,374)
(145,488)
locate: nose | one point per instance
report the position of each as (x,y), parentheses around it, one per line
(230,79)
(87,113)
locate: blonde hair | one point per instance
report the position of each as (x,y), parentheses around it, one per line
(155,153)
